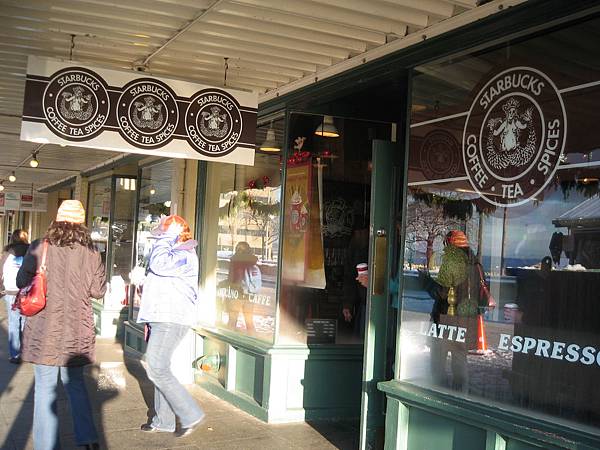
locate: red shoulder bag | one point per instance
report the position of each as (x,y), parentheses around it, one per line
(32,299)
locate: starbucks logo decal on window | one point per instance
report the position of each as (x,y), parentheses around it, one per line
(514,136)
(76,104)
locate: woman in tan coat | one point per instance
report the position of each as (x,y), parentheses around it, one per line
(60,339)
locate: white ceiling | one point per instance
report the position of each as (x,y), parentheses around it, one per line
(270,44)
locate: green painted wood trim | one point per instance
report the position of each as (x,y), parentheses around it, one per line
(132,330)
(501,26)
(494,441)
(237,399)
(261,348)
(503,420)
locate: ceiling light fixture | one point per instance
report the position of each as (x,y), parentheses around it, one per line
(270,143)
(12,177)
(1,186)
(152,190)
(327,128)
(34,161)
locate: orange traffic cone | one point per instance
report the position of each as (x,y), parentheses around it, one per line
(482,347)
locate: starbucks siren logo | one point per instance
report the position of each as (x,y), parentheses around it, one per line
(76,104)
(514,136)
(213,122)
(439,155)
(147,113)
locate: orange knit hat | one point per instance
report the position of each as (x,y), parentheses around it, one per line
(457,238)
(71,211)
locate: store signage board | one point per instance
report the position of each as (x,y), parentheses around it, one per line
(12,200)
(68,103)
(23,201)
(321,331)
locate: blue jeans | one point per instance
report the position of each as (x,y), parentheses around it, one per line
(45,418)
(16,323)
(170,397)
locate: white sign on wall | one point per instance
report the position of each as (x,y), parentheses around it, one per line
(23,201)
(66,103)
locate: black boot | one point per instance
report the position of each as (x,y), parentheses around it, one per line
(94,446)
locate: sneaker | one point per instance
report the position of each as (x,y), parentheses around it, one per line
(16,360)
(148,428)
(186,431)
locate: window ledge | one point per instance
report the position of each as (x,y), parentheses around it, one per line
(505,420)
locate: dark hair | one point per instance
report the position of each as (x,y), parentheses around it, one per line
(68,234)
(19,236)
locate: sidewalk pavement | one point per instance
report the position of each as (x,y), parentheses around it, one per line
(118,388)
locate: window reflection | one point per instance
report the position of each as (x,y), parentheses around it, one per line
(326,222)
(535,231)
(242,215)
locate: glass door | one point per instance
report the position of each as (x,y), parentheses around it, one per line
(98,216)
(120,238)
(378,304)
(154,200)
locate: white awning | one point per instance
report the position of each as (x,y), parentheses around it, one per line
(271,47)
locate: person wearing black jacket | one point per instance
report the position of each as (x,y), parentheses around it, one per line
(10,262)
(355,293)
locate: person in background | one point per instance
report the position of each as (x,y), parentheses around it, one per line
(355,287)
(60,340)
(10,262)
(459,270)
(244,275)
(168,309)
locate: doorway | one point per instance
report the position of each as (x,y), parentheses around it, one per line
(344,183)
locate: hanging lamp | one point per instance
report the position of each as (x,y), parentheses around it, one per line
(33,162)
(270,143)
(327,128)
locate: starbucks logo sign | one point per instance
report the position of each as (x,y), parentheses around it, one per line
(440,155)
(147,113)
(514,136)
(76,104)
(213,122)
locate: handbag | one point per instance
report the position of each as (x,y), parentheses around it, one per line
(484,291)
(32,299)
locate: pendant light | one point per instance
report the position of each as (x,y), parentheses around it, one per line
(34,161)
(1,186)
(12,177)
(327,128)
(152,190)
(270,143)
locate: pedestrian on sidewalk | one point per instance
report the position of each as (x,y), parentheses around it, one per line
(60,340)
(10,262)
(168,310)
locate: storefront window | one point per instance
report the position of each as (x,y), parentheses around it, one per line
(98,216)
(497,183)
(242,213)
(326,229)
(154,201)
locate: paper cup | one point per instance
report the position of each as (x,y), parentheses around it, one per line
(362,269)
(510,312)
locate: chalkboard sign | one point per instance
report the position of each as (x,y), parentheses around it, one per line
(321,331)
